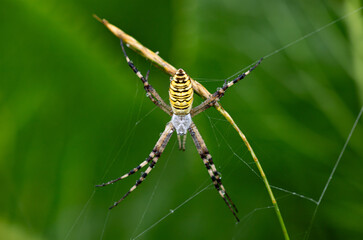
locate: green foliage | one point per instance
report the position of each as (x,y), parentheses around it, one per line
(73,115)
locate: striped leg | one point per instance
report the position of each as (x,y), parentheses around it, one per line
(220,92)
(132,171)
(213,173)
(154,155)
(150,91)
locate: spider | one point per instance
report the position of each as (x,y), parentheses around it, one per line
(181,112)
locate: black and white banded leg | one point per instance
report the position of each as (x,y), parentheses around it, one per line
(150,91)
(209,102)
(152,160)
(213,173)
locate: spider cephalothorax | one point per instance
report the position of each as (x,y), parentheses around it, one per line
(181,112)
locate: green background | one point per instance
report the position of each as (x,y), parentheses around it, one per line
(73,115)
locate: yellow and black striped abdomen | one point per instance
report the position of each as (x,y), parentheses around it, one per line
(181,93)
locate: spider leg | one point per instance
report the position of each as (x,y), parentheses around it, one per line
(159,148)
(213,173)
(151,92)
(220,92)
(134,170)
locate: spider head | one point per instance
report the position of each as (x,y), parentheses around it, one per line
(181,123)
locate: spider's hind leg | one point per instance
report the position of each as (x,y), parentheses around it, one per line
(151,92)
(215,97)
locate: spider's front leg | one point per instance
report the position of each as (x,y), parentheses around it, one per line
(152,159)
(213,173)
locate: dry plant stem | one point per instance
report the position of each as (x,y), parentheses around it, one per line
(201,91)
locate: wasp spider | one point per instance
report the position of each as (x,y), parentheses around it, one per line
(181,112)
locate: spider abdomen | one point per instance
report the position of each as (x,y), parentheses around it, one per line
(181,93)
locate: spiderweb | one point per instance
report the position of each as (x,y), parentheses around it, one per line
(236,152)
